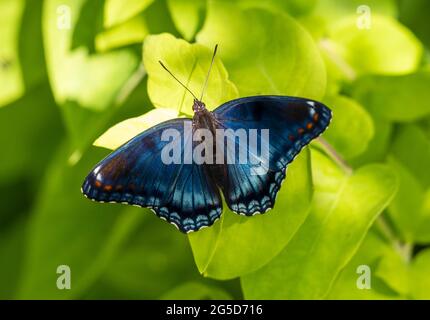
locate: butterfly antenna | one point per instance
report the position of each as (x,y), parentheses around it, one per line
(209,72)
(165,68)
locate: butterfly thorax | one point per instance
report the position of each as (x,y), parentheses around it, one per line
(203,118)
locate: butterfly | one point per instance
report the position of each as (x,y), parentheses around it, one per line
(189,194)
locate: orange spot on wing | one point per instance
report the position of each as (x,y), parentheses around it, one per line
(309,126)
(108,188)
(98,184)
(316,117)
(301,130)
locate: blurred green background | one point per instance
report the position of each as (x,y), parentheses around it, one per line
(73,71)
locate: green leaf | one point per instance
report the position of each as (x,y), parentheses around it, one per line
(130,32)
(369,254)
(392,268)
(196,291)
(190,64)
(118,11)
(127,129)
(271,55)
(402,98)
(75,75)
(344,208)
(386,48)
(237,245)
(351,128)
(392,276)
(378,146)
(420,281)
(11,79)
(67,229)
(188,16)
(412,148)
(410,209)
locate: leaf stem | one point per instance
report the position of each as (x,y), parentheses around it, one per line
(385,229)
(130,85)
(335,156)
(328,47)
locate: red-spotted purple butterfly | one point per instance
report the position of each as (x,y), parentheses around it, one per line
(188,193)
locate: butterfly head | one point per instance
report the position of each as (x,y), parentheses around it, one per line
(198,106)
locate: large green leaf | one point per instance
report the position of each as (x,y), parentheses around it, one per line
(344,208)
(351,128)
(237,245)
(67,229)
(265,52)
(92,81)
(190,64)
(127,129)
(402,98)
(386,47)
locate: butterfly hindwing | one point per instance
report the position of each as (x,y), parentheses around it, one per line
(292,124)
(183,194)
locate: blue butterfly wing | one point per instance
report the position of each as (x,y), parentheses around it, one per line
(292,124)
(183,194)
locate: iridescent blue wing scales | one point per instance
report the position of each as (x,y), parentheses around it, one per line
(292,124)
(183,194)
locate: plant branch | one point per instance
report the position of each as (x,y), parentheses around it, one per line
(335,156)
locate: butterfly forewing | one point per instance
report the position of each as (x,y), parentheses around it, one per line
(183,194)
(291,123)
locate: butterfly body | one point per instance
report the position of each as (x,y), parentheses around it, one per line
(188,194)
